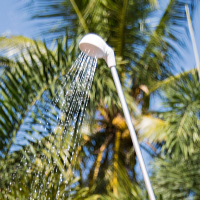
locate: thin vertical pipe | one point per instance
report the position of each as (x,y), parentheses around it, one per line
(192,38)
(132,132)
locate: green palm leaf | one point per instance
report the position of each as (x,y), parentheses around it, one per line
(22,86)
(179,127)
(177,178)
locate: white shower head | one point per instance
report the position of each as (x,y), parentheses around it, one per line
(95,46)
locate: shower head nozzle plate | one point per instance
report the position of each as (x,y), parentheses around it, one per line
(94,46)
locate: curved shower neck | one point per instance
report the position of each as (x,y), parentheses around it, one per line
(109,57)
(96,47)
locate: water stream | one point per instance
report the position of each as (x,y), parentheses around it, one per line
(60,148)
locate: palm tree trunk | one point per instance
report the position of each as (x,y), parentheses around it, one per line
(117,144)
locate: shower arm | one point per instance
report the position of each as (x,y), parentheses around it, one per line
(132,132)
(95,46)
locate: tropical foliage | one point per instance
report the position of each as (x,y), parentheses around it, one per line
(35,163)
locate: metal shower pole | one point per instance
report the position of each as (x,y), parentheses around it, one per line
(132,132)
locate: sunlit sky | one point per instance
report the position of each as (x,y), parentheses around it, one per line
(14,21)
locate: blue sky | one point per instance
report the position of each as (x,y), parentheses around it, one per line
(14,21)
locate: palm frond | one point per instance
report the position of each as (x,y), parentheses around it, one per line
(38,168)
(21,87)
(14,45)
(157,60)
(126,189)
(179,127)
(171,80)
(5,62)
(82,21)
(177,178)
(151,128)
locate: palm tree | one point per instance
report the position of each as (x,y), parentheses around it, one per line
(176,170)
(140,50)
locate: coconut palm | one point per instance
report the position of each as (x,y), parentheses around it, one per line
(176,171)
(140,51)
